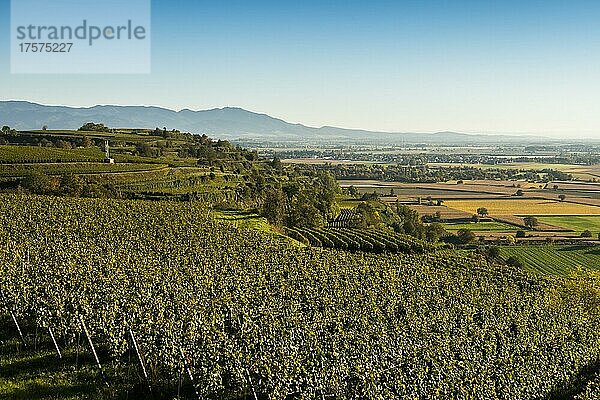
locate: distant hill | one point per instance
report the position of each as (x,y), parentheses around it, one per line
(226,123)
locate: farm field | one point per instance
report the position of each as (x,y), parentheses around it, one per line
(481,227)
(575,223)
(445,212)
(448,188)
(523,207)
(554,259)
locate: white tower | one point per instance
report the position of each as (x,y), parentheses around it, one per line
(107,158)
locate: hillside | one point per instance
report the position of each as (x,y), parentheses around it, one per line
(247,313)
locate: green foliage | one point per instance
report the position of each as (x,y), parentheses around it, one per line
(311,200)
(273,208)
(252,314)
(408,222)
(465,236)
(7,130)
(39,183)
(72,185)
(303,211)
(92,127)
(366,216)
(482,211)
(530,221)
(514,262)
(434,232)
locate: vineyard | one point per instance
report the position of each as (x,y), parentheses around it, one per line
(236,312)
(555,259)
(20,170)
(375,241)
(34,154)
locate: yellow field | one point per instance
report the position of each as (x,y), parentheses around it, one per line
(523,207)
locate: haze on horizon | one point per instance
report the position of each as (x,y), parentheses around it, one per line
(466,66)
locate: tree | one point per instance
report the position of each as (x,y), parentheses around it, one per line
(530,222)
(276,163)
(325,189)
(586,234)
(303,213)
(45,127)
(482,211)
(39,183)
(520,234)
(274,206)
(145,150)
(92,127)
(492,253)
(465,236)
(434,232)
(87,142)
(409,222)
(366,216)
(352,191)
(562,197)
(519,193)
(71,185)
(514,262)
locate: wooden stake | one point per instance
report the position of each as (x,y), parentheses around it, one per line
(251,384)
(89,338)
(140,359)
(55,344)
(189,371)
(77,350)
(18,329)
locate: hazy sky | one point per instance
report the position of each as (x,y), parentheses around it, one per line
(471,66)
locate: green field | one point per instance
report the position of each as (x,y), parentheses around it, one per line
(554,259)
(574,223)
(481,227)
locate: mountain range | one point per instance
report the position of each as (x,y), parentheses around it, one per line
(226,123)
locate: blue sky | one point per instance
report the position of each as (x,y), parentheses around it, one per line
(470,66)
